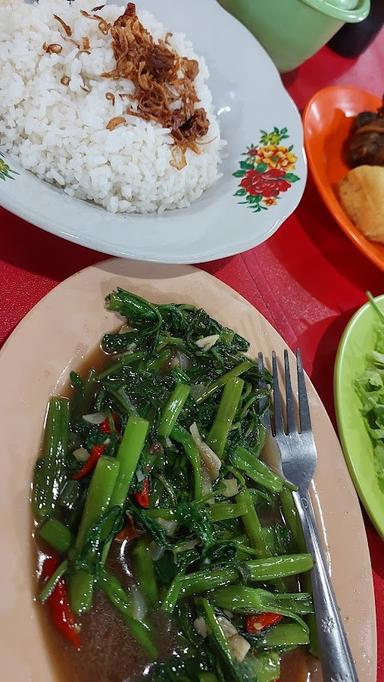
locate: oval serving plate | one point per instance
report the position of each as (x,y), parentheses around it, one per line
(56,337)
(254,111)
(327,122)
(358,338)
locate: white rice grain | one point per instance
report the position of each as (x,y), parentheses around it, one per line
(59,132)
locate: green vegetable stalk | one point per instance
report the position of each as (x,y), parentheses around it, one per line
(98,500)
(180,435)
(53,580)
(56,535)
(260,570)
(51,472)
(256,470)
(128,457)
(216,631)
(222,511)
(284,636)
(252,525)
(144,571)
(266,666)
(248,600)
(241,368)
(217,437)
(136,309)
(173,408)
(122,602)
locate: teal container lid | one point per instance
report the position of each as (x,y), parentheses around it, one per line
(350,11)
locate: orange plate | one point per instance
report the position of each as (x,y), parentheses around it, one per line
(327,122)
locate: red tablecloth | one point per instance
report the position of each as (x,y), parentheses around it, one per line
(308,279)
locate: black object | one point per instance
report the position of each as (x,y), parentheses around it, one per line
(365,144)
(352,39)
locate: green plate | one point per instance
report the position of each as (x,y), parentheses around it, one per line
(358,339)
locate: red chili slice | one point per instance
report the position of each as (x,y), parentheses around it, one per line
(142,497)
(91,462)
(58,604)
(105,426)
(260,621)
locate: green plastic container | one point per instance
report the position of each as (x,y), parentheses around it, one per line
(293,30)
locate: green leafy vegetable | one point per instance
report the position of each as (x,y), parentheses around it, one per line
(370,389)
(204,526)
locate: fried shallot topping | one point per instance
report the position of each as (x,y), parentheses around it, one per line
(163,81)
(103,25)
(110,97)
(65,26)
(54,48)
(85,44)
(115,122)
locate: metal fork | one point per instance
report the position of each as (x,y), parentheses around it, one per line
(298,460)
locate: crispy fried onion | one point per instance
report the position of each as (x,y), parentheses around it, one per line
(164,82)
(53,48)
(65,26)
(103,25)
(85,45)
(110,97)
(115,122)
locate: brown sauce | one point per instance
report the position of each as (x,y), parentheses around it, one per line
(110,654)
(295,667)
(108,651)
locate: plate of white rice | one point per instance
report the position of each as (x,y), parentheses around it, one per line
(81,156)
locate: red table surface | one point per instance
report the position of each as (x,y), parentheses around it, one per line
(307,279)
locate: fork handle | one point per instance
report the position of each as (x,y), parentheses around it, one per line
(335,654)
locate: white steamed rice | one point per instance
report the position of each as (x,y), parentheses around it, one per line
(59,133)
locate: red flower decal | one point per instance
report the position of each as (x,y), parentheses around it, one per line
(266,172)
(268,184)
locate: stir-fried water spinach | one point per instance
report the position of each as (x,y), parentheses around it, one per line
(161,450)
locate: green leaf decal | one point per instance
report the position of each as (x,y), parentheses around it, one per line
(240,192)
(254,199)
(245,165)
(239,174)
(261,167)
(291,177)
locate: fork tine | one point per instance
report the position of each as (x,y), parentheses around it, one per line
(305,417)
(289,401)
(260,366)
(263,402)
(277,408)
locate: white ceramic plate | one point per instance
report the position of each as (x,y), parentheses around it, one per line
(249,98)
(56,336)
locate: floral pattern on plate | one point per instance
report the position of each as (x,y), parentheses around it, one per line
(266,171)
